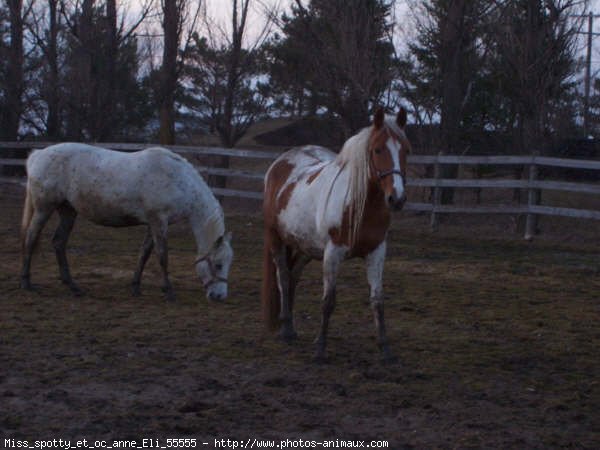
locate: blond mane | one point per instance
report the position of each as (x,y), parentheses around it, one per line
(354,156)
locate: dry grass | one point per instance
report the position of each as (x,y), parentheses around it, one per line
(497,339)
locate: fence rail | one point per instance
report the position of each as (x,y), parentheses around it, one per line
(13,154)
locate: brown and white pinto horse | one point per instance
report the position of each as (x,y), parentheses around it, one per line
(319,205)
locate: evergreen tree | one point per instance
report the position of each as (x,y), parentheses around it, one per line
(335,54)
(532,48)
(209,71)
(449,69)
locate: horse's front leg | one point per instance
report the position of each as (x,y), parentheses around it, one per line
(332,257)
(145,252)
(159,235)
(59,241)
(375,261)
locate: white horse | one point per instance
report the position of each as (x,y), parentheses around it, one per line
(154,187)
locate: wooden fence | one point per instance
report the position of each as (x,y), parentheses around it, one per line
(436,184)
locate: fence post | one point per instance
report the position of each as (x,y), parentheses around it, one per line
(531,222)
(437,194)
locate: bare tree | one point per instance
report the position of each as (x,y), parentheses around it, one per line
(99,52)
(112,56)
(80,22)
(44,29)
(239,62)
(46,39)
(177,16)
(231,92)
(224,70)
(172,24)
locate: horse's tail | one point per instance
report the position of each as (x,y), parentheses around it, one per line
(269,292)
(27,214)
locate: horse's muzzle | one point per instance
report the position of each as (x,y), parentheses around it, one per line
(217,296)
(217,291)
(395,202)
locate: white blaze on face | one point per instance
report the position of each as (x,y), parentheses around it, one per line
(394,147)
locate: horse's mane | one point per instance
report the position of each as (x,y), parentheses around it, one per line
(214,227)
(355,156)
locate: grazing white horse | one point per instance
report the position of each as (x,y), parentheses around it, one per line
(155,187)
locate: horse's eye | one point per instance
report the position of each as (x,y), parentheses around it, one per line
(378,150)
(219,266)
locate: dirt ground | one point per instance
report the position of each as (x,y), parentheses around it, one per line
(497,341)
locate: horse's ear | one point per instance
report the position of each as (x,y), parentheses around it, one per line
(378,118)
(401,118)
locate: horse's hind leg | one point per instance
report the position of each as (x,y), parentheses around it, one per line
(296,265)
(32,234)
(67,219)
(375,261)
(145,252)
(332,257)
(159,235)
(280,258)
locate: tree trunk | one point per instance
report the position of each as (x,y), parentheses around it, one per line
(452,88)
(82,90)
(226,128)
(108,92)
(53,121)
(11,116)
(171,21)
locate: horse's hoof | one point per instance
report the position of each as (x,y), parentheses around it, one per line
(135,290)
(320,358)
(288,336)
(27,285)
(388,359)
(76,290)
(169,293)
(73,287)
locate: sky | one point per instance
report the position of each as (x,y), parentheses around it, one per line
(219,12)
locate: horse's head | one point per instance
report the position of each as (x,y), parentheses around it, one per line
(388,147)
(213,268)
